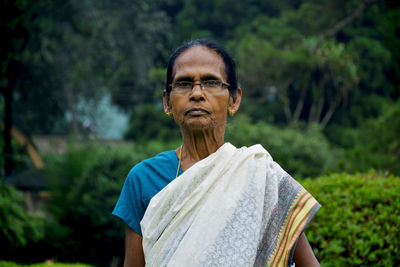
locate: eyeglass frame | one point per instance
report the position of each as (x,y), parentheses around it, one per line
(201,84)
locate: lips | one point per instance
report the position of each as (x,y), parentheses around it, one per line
(197,111)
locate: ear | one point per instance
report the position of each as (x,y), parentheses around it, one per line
(234,100)
(166,102)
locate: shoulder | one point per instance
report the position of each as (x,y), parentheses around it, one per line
(279,179)
(291,193)
(284,179)
(152,164)
(151,167)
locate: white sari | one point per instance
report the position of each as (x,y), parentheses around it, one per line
(236,207)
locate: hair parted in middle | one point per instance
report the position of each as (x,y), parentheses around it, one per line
(230,65)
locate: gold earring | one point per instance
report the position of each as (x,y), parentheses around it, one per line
(169,114)
(231,112)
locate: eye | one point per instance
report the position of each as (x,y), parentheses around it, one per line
(183,84)
(211,83)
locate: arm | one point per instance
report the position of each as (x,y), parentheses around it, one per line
(134,256)
(303,254)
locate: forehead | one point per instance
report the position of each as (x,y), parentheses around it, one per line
(199,61)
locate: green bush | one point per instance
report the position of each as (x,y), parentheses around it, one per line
(149,123)
(17,228)
(85,186)
(377,143)
(86,183)
(302,153)
(358,223)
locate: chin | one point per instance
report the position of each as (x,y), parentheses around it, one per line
(199,125)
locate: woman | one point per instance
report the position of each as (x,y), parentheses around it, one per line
(208,203)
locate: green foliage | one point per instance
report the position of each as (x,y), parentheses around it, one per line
(86,184)
(68,54)
(301,153)
(149,123)
(359,219)
(372,60)
(216,19)
(120,48)
(376,143)
(281,58)
(17,228)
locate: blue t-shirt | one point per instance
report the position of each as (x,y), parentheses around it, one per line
(144,181)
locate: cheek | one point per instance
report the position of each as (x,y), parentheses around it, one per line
(222,110)
(175,103)
(178,108)
(222,104)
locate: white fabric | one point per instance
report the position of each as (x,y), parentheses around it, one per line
(213,214)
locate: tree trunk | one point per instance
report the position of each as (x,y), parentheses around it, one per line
(282,96)
(319,110)
(316,108)
(329,113)
(327,117)
(299,107)
(286,107)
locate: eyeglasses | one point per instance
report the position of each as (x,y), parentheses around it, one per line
(210,86)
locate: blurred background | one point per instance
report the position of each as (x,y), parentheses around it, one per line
(81,103)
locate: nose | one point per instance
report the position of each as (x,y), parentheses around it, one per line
(197,93)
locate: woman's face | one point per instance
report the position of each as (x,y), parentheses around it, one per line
(198,109)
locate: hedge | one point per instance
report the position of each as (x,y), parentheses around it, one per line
(359,221)
(17,228)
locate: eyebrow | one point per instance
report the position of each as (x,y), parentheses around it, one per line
(208,77)
(184,78)
(205,77)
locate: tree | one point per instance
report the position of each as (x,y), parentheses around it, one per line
(296,60)
(76,51)
(15,19)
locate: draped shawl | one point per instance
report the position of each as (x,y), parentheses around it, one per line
(237,207)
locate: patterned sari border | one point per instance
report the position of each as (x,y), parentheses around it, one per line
(293,225)
(283,241)
(282,230)
(294,238)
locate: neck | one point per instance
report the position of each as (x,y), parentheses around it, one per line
(197,145)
